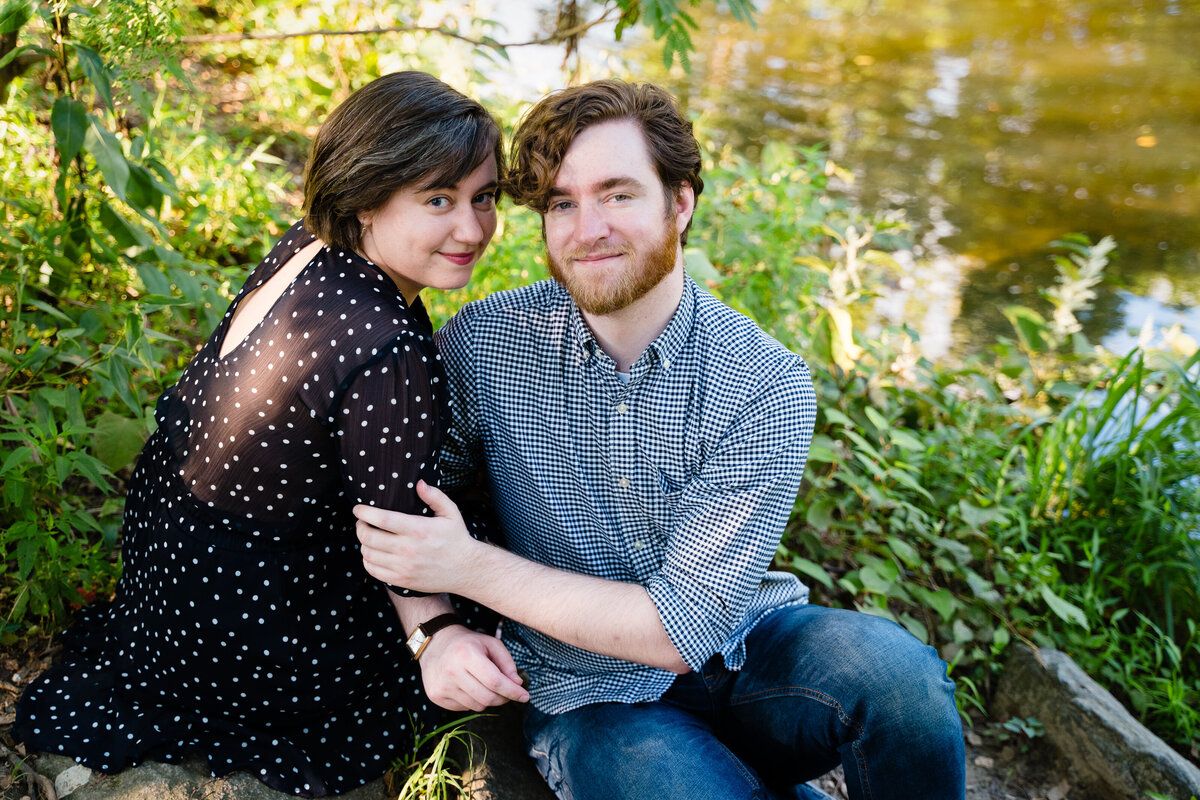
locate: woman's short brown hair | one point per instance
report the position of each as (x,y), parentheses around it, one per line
(542,139)
(399,130)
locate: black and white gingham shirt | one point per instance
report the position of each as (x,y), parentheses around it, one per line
(680,480)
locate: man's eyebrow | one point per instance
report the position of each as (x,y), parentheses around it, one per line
(617,181)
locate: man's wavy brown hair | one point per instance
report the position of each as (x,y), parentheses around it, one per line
(542,138)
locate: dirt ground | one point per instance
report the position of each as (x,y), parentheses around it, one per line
(1001,765)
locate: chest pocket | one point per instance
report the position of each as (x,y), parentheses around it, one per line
(660,487)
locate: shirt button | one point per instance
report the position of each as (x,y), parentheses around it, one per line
(622,408)
(666,363)
(623,483)
(639,544)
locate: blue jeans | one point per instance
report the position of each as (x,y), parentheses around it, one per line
(820,687)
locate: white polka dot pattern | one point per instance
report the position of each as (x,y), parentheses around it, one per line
(244,626)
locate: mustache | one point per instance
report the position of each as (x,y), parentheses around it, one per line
(598,252)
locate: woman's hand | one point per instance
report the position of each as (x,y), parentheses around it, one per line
(467,671)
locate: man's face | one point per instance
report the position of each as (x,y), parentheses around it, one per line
(611,233)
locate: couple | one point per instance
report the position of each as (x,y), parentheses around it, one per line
(642,444)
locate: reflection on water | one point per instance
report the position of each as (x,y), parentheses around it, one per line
(999,126)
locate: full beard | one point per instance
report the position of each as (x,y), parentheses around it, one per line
(616,292)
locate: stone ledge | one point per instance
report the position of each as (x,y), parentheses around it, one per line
(1110,750)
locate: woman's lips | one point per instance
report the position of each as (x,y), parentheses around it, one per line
(462,259)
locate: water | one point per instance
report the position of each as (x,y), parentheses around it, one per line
(997,126)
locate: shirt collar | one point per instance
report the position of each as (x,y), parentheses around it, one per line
(663,350)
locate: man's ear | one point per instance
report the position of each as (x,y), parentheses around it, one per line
(685,206)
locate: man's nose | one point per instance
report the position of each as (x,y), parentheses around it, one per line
(591,224)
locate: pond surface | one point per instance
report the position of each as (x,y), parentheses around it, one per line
(998,126)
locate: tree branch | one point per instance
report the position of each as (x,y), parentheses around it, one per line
(554,38)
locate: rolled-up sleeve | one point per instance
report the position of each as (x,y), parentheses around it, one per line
(731,517)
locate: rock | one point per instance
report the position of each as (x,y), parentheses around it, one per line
(71,779)
(155,781)
(498,767)
(1104,744)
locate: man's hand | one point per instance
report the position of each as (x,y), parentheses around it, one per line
(426,554)
(467,671)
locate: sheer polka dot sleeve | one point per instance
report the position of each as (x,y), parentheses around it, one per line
(389,432)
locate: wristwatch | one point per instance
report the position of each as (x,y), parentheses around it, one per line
(424,632)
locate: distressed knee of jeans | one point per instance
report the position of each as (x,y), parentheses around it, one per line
(547,765)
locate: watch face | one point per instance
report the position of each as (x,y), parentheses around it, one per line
(417,641)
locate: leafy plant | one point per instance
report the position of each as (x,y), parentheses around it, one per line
(433,770)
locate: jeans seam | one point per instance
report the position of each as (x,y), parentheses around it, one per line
(824,699)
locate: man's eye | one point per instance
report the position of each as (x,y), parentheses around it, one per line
(439,202)
(485,198)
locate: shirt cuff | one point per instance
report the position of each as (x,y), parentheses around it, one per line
(697,622)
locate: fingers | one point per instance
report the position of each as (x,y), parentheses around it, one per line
(437,500)
(463,674)
(382,518)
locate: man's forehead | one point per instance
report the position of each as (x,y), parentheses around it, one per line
(605,155)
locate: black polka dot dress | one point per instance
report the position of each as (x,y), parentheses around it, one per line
(244,626)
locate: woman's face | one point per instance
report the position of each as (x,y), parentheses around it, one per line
(433,237)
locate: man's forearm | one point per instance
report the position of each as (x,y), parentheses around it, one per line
(604,616)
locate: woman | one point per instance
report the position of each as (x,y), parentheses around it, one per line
(244,626)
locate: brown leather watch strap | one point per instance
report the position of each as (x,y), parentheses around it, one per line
(424,632)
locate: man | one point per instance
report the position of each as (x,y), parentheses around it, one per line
(644,445)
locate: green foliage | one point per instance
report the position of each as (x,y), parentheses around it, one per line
(433,769)
(1038,492)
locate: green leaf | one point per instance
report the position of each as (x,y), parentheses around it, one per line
(872,581)
(915,627)
(14,14)
(812,570)
(126,234)
(153,279)
(904,551)
(941,601)
(877,419)
(901,476)
(120,382)
(696,262)
(822,449)
(105,148)
(144,192)
(836,417)
(318,88)
(820,514)
(1030,326)
(92,469)
(68,120)
(1066,611)
(906,441)
(13,54)
(96,72)
(16,458)
(117,440)
(976,517)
